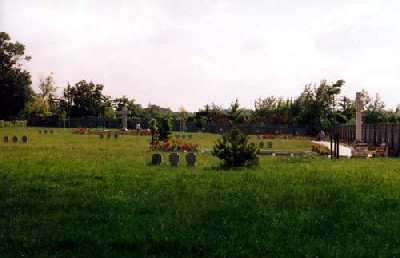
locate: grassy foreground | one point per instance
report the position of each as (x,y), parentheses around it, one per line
(67,195)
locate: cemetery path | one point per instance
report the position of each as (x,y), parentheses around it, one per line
(344,151)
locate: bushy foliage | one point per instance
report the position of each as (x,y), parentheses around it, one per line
(15,82)
(165,127)
(234,150)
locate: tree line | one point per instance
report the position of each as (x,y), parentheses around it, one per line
(318,105)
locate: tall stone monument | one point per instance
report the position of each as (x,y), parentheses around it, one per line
(124,113)
(359,149)
(358,117)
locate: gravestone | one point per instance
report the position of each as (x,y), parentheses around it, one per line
(183,136)
(156,159)
(101,136)
(252,144)
(115,136)
(15,139)
(5,139)
(24,139)
(108,135)
(45,131)
(51,132)
(270,145)
(124,112)
(191,159)
(261,145)
(40,131)
(174,159)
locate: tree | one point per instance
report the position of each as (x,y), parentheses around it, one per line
(183,117)
(136,109)
(48,87)
(165,126)
(347,109)
(317,106)
(235,113)
(273,110)
(37,106)
(233,149)
(374,112)
(86,99)
(213,112)
(15,82)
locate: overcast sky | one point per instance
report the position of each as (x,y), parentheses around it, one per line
(192,52)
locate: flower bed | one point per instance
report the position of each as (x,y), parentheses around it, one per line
(281,136)
(89,131)
(81,130)
(173,145)
(320,149)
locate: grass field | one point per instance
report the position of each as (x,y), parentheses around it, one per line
(66,195)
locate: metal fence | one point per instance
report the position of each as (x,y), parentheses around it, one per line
(252,129)
(93,122)
(374,134)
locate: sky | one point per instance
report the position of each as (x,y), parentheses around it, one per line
(189,53)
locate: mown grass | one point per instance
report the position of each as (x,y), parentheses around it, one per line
(67,195)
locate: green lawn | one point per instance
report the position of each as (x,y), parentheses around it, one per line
(66,195)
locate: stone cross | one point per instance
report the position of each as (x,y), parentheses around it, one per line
(358,117)
(124,112)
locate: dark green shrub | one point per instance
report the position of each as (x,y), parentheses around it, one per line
(165,128)
(234,150)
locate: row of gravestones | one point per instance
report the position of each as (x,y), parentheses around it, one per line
(108,135)
(46,132)
(261,145)
(173,158)
(183,136)
(15,139)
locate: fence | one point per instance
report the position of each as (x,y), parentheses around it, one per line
(91,122)
(374,134)
(246,128)
(14,123)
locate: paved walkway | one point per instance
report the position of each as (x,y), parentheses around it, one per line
(344,151)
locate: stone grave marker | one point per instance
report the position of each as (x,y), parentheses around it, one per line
(5,138)
(15,139)
(124,113)
(252,144)
(156,159)
(45,131)
(108,135)
(115,136)
(191,159)
(183,136)
(24,139)
(101,136)
(174,159)
(269,145)
(51,132)
(261,145)
(40,131)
